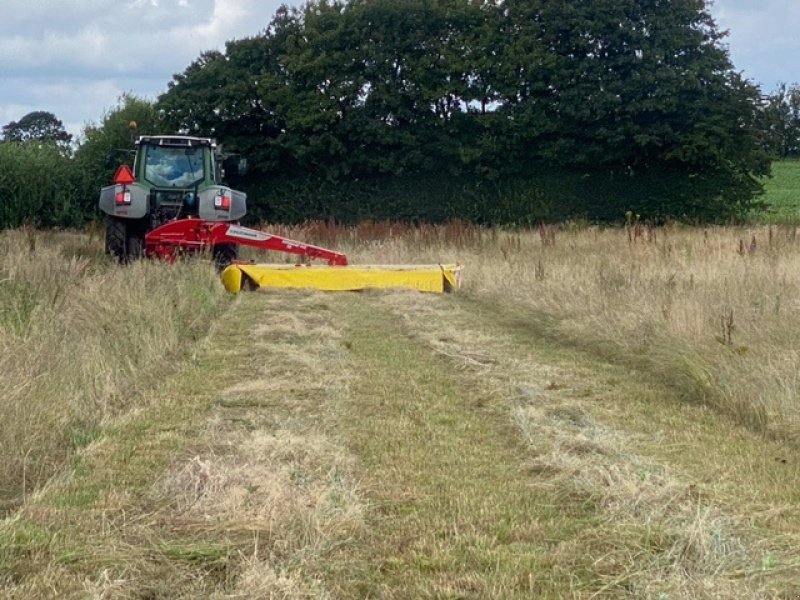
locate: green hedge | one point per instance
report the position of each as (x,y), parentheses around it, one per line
(543,195)
(39,185)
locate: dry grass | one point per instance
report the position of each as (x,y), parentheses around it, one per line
(708,313)
(660,530)
(229,484)
(267,475)
(691,307)
(498,456)
(78,337)
(711,312)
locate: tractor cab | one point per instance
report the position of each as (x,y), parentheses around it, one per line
(176,168)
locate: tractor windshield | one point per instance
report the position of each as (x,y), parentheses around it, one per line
(173,167)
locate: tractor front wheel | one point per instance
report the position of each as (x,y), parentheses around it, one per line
(225,254)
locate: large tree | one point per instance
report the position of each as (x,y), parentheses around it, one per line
(628,83)
(489,90)
(37,125)
(341,89)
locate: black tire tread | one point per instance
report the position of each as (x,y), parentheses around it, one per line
(116,238)
(225,254)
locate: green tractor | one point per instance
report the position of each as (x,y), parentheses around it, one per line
(173,177)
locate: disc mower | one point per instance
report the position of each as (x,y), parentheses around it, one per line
(174,202)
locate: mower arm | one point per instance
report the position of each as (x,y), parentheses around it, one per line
(197,235)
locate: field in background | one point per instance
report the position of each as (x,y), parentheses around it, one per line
(782,194)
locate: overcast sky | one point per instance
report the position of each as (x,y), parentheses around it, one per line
(75,57)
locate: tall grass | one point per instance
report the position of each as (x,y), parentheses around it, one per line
(712,312)
(78,337)
(262,500)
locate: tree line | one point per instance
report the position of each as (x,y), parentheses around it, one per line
(783,120)
(496,111)
(508,110)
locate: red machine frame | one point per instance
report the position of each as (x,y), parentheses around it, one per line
(194,235)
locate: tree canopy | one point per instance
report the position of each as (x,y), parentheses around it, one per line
(495,111)
(483,92)
(37,125)
(48,184)
(782,120)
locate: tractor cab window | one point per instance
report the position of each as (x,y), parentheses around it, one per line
(173,167)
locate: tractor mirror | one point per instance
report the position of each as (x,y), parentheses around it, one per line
(234,165)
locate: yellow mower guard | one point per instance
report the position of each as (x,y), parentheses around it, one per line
(425,278)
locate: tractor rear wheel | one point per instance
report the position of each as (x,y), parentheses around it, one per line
(124,238)
(116,238)
(135,246)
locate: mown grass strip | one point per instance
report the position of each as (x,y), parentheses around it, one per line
(221,484)
(757,468)
(717,502)
(93,515)
(454,512)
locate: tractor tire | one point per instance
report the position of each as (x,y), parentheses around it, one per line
(134,246)
(224,254)
(116,239)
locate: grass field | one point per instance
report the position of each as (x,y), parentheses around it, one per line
(598,413)
(782,193)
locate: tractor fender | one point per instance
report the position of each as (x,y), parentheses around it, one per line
(138,207)
(207,212)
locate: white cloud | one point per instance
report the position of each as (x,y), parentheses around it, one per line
(226,16)
(763,38)
(87,49)
(64,97)
(75,57)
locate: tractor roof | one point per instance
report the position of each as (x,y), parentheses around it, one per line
(180,141)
